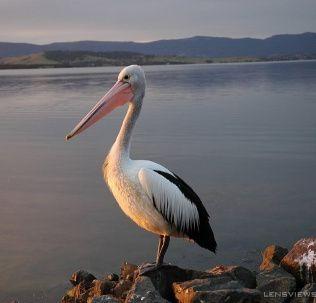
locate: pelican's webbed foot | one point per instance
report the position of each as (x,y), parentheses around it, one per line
(148,267)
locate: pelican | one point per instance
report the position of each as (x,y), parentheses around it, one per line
(151,195)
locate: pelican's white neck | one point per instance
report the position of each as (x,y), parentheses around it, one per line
(121,146)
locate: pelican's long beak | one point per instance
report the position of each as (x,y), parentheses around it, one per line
(118,95)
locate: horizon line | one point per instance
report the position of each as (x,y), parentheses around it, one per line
(164,39)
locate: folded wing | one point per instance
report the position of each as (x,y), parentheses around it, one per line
(179,205)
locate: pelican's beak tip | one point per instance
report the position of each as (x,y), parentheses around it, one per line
(68,137)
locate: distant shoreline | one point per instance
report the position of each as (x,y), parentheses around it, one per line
(68,59)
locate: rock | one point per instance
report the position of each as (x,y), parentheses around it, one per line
(208,284)
(241,274)
(226,284)
(275,281)
(127,271)
(79,293)
(113,277)
(306,295)
(68,299)
(122,288)
(272,257)
(161,280)
(220,284)
(85,292)
(105,299)
(144,291)
(81,276)
(163,277)
(74,292)
(301,261)
(238,295)
(101,287)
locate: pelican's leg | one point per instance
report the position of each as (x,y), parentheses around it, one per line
(147,267)
(160,244)
(162,250)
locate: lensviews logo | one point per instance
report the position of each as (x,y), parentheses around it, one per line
(288,294)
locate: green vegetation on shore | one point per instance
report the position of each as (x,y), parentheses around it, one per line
(55,59)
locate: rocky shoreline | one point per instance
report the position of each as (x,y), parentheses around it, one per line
(283,276)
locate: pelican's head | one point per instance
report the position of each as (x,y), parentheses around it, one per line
(129,88)
(134,75)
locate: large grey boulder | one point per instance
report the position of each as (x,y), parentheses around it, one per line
(214,290)
(163,277)
(275,284)
(144,291)
(239,273)
(223,284)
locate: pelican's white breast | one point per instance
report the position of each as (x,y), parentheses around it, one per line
(123,181)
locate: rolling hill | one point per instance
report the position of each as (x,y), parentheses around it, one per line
(199,46)
(87,58)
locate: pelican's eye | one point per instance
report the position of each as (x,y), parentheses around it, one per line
(126,77)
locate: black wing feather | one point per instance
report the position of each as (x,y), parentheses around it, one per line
(203,235)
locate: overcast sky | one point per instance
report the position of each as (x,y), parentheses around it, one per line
(42,21)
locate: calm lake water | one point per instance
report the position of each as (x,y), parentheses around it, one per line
(243,135)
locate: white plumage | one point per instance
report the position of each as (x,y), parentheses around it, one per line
(169,200)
